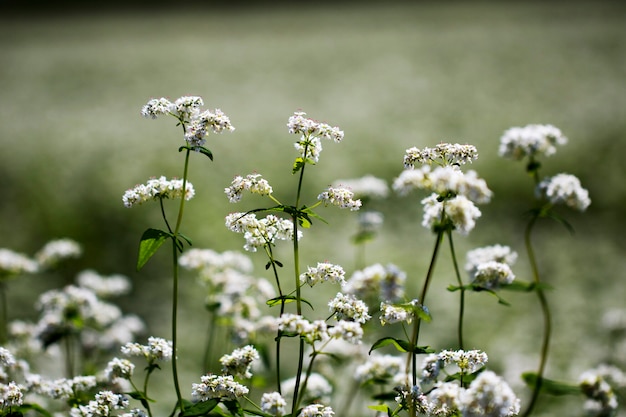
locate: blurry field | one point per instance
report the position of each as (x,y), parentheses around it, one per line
(392,76)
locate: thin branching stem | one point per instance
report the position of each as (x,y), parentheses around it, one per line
(462,296)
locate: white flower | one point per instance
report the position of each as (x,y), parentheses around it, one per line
(157,188)
(390,313)
(468,361)
(217,386)
(564,189)
(186,106)
(489,395)
(13,263)
(273,403)
(259,233)
(531,140)
(460,211)
(379,367)
(11,395)
(156,349)
(324,271)
(377,281)
(349,307)
(365,187)
(113,285)
(443,153)
(340,197)
(349,331)
(156,107)
(445,399)
(119,368)
(601,399)
(497,253)
(201,123)
(316,410)
(252,182)
(300,125)
(239,362)
(318,388)
(492,275)
(56,251)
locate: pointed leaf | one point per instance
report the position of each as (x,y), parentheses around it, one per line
(234,407)
(379,407)
(286,299)
(550,386)
(297,165)
(204,151)
(400,345)
(151,241)
(198,409)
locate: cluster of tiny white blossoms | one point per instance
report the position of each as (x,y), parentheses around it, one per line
(340,197)
(379,368)
(14,263)
(395,313)
(454,192)
(323,272)
(156,189)
(260,232)
(104,404)
(367,186)
(531,140)
(273,403)
(156,349)
(103,286)
(196,122)
(56,251)
(239,362)
(599,385)
(466,361)
(218,387)
(318,330)
(309,146)
(442,153)
(62,388)
(316,410)
(254,183)
(564,189)
(348,307)
(490,267)
(119,368)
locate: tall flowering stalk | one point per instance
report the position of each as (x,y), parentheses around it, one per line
(196,125)
(531,142)
(450,207)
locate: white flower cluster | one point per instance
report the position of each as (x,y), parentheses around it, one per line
(350,331)
(211,262)
(10,395)
(323,272)
(260,232)
(398,313)
(564,189)
(187,110)
(487,395)
(309,146)
(365,187)
(490,266)
(599,385)
(239,362)
(467,362)
(156,349)
(370,221)
(443,153)
(379,368)
(217,386)
(340,197)
(102,286)
(377,282)
(459,210)
(13,263)
(531,140)
(102,406)
(316,410)
(119,368)
(273,403)
(157,188)
(62,388)
(56,251)
(348,307)
(252,182)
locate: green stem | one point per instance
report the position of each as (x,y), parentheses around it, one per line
(209,343)
(412,356)
(460,282)
(69,356)
(4,333)
(145,391)
(547,322)
(270,254)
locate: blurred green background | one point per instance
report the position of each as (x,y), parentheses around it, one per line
(391,75)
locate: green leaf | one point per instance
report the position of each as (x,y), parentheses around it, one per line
(234,407)
(186,239)
(257,413)
(379,407)
(297,165)
(22,409)
(151,241)
(401,345)
(310,213)
(550,386)
(286,299)
(201,408)
(204,151)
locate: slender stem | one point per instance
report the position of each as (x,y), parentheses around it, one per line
(69,356)
(412,356)
(460,282)
(270,254)
(547,322)
(145,391)
(5,313)
(209,343)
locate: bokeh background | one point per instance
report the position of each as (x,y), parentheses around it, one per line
(390,74)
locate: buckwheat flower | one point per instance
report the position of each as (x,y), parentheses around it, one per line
(273,403)
(239,362)
(495,253)
(119,368)
(222,387)
(186,106)
(13,263)
(377,281)
(259,233)
(156,107)
(390,314)
(102,286)
(157,188)
(413,398)
(252,182)
(460,211)
(531,140)
(156,349)
(430,368)
(340,197)
(350,331)
(7,359)
(318,388)
(468,361)
(365,187)
(601,399)
(292,323)
(411,179)
(445,399)
(370,221)
(56,251)
(299,124)
(489,395)
(492,275)
(323,272)
(379,368)
(446,153)
(564,189)
(309,149)
(200,124)
(348,307)
(316,410)
(11,395)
